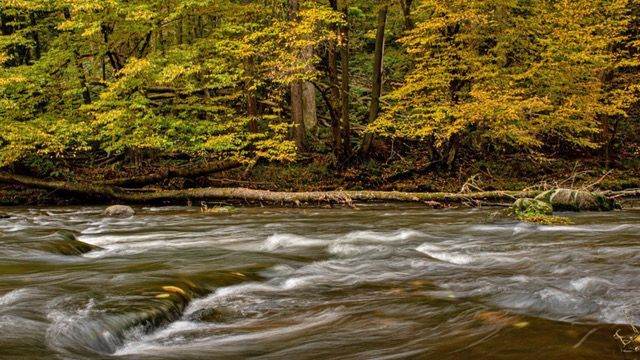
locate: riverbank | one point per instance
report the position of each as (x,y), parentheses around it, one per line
(317,176)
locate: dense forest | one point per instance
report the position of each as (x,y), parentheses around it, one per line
(146,89)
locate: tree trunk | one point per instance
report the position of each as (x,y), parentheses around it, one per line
(345,89)
(297,110)
(376,88)
(334,83)
(309,113)
(252,111)
(109,193)
(297,114)
(82,78)
(406,12)
(252,100)
(36,38)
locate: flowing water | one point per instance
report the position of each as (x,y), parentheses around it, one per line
(383,282)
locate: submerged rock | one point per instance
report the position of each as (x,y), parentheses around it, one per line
(65,243)
(4,216)
(121,211)
(577,200)
(106,329)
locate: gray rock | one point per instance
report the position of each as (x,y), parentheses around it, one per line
(120,211)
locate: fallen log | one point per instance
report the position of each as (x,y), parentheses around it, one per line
(187,172)
(112,193)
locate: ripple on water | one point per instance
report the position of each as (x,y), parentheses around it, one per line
(285,241)
(441,254)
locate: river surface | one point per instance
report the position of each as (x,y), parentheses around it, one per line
(381,282)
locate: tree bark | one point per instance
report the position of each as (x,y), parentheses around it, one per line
(345,89)
(297,109)
(376,88)
(82,78)
(36,37)
(252,100)
(309,109)
(334,83)
(309,113)
(297,114)
(252,111)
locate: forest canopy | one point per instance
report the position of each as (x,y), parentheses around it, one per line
(277,79)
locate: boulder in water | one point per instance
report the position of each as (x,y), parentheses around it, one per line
(577,200)
(4,216)
(120,211)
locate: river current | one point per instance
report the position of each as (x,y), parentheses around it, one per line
(379,282)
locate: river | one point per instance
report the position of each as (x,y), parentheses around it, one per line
(379,282)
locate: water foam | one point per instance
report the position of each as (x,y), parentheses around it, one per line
(438,253)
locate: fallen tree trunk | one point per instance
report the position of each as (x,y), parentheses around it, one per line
(329,197)
(111,193)
(187,172)
(117,194)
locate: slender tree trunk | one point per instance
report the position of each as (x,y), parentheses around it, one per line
(252,111)
(334,83)
(36,38)
(297,114)
(297,111)
(335,100)
(345,89)
(82,78)
(252,100)
(309,112)
(376,88)
(406,12)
